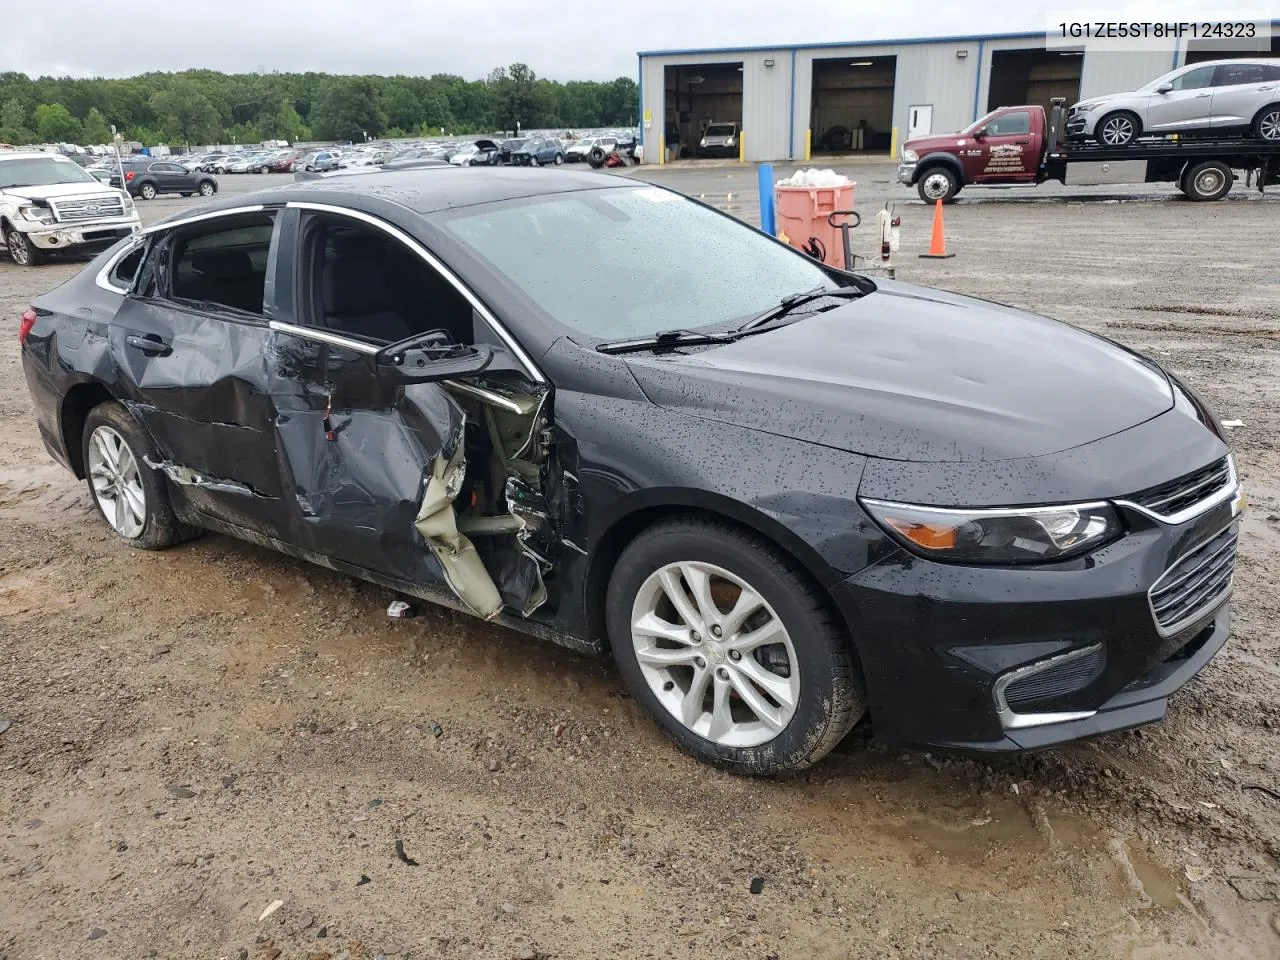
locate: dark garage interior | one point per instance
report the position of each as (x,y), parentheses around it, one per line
(1033,76)
(852,106)
(1195,55)
(699,94)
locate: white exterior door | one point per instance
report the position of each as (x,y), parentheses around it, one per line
(919,120)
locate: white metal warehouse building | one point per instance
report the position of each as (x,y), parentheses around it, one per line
(792,102)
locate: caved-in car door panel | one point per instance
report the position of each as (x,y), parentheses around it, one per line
(195,374)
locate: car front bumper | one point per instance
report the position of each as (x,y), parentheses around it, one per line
(907,172)
(62,236)
(1079,126)
(1008,659)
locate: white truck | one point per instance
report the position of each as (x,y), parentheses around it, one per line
(48,202)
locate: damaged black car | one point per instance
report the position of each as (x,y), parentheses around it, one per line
(783,497)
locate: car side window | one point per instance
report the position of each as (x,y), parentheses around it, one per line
(1270,72)
(1010,124)
(223,265)
(362,283)
(126,268)
(1229,74)
(1194,79)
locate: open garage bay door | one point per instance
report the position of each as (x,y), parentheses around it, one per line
(1033,76)
(852,106)
(699,96)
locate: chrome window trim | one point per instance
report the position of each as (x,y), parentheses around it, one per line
(201,217)
(488,396)
(1212,607)
(323,336)
(533,372)
(1010,720)
(102,279)
(1230,490)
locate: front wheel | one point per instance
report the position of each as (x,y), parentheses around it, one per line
(534,162)
(207,188)
(22,251)
(219,170)
(130,495)
(1117,129)
(938,183)
(731,648)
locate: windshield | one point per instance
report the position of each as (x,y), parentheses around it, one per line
(630,261)
(720,130)
(41,172)
(583,143)
(978,124)
(1161,80)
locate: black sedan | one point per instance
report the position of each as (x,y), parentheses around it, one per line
(781,496)
(147,178)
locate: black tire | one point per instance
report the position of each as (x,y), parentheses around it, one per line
(559,159)
(22,251)
(596,157)
(264,169)
(831,697)
(938,182)
(147,191)
(161,528)
(1208,180)
(219,170)
(187,193)
(208,188)
(1118,128)
(1266,125)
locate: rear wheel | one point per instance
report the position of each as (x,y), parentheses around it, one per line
(559,159)
(1118,129)
(147,191)
(731,648)
(938,183)
(130,496)
(1266,125)
(1209,180)
(22,251)
(207,188)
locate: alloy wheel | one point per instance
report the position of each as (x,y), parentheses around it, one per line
(117,482)
(18,251)
(148,192)
(1117,131)
(715,654)
(206,189)
(1269,126)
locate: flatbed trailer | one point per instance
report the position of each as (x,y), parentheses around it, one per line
(1023,146)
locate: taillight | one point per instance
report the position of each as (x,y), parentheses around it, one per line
(129,176)
(24,327)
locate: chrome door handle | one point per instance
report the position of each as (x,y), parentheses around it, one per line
(150,345)
(1201,96)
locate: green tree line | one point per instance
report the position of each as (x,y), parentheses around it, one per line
(206,106)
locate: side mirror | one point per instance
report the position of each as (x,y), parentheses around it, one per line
(426,364)
(981,134)
(1164,88)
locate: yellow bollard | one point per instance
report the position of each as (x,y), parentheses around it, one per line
(808,144)
(893,143)
(742,147)
(662,150)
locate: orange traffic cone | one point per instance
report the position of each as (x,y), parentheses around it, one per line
(937,242)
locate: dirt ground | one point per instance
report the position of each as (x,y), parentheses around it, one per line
(195,735)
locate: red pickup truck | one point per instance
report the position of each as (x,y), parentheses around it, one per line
(1021,145)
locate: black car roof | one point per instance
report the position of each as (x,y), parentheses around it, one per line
(426,190)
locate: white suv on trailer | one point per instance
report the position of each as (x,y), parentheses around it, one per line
(48,202)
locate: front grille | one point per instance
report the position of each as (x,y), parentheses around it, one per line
(1195,584)
(1177,495)
(1067,675)
(90,208)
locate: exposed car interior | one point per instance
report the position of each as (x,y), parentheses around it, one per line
(226,266)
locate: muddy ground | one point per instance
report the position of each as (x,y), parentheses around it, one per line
(196,734)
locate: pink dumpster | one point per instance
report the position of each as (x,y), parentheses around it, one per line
(802,219)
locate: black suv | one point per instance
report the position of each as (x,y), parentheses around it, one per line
(148,177)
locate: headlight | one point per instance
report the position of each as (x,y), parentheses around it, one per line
(909,156)
(728,141)
(37,214)
(702,142)
(1008,535)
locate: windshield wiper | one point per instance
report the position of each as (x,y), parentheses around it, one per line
(664,338)
(793,300)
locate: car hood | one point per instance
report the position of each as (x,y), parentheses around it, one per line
(942,141)
(908,373)
(58,190)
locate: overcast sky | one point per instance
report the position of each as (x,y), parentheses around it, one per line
(560,39)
